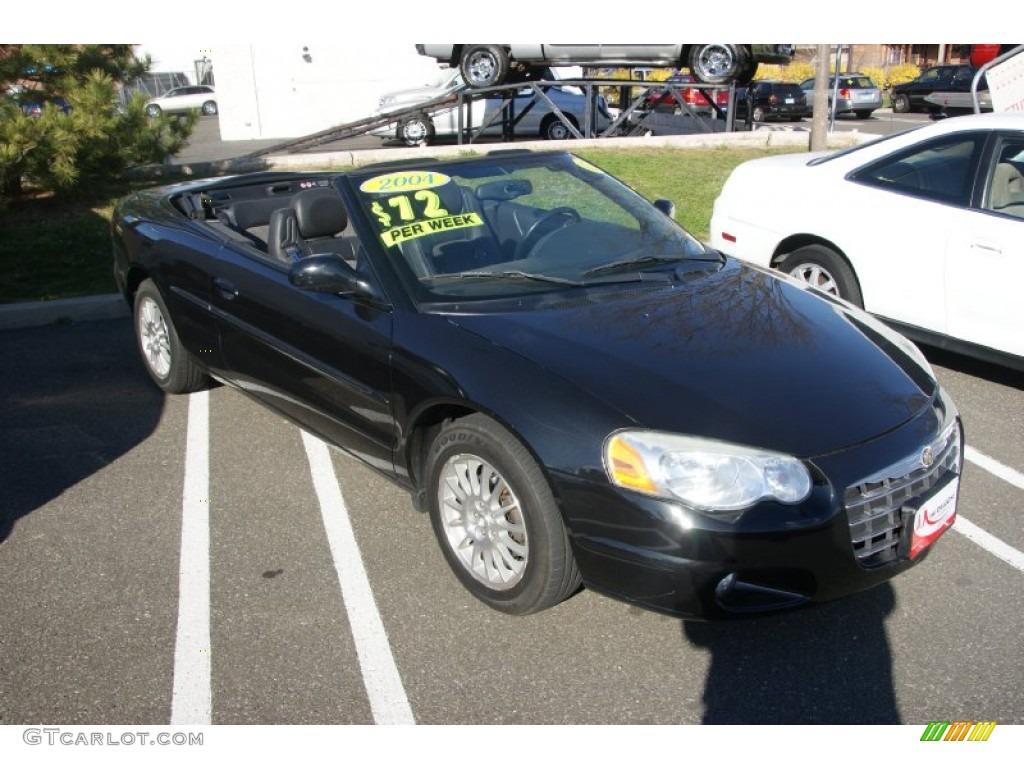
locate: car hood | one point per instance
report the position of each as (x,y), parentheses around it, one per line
(738,355)
(396,99)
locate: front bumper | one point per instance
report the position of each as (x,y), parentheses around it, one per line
(849,535)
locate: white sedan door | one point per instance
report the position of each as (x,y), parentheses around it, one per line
(986,261)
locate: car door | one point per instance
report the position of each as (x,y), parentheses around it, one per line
(928,81)
(986,260)
(924,195)
(321,359)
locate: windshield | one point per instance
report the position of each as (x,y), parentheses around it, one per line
(507,225)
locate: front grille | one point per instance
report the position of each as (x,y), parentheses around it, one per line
(876,508)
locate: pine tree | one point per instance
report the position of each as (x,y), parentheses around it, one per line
(80,133)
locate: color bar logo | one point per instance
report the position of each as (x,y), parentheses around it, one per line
(958,730)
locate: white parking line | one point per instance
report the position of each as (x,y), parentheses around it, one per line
(383,683)
(191,702)
(1003,472)
(990,543)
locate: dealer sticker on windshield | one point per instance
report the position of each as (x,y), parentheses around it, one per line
(933,517)
(409,207)
(403,181)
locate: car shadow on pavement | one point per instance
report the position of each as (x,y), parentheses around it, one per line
(829,664)
(75,398)
(997,374)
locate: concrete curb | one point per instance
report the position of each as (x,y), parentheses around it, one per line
(36,313)
(765,136)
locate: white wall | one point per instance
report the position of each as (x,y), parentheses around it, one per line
(290,90)
(174,57)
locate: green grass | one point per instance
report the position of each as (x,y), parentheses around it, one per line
(55,250)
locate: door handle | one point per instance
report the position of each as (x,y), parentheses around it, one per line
(225,288)
(989,248)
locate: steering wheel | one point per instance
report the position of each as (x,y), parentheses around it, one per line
(554,219)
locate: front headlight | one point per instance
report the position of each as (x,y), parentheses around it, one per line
(708,475)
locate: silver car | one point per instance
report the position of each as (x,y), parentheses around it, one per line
(857,93)
(540,120)
(201,97)
(487,64)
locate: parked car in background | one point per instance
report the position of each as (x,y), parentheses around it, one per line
(486,64)
(857,93)
(772,100)
(201,97)
(948,268)
(35,108)
(536,117)
(909,97)
(574,389)
(663,99)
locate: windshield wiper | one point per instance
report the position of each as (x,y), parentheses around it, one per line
(644,261)
(511,274)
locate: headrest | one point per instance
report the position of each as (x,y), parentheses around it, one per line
(451,197)
(319,212)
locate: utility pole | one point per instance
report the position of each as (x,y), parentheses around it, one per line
(820,116)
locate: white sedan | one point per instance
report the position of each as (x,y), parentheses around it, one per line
(201,97)
(923,228)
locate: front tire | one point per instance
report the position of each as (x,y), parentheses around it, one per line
(167,362)
(824,269)
(210,108)
(416,131)
(900,103)
(718,63)
(484,65)
(153,111)
(496,519)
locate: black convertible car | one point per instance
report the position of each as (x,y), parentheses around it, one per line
(575,388)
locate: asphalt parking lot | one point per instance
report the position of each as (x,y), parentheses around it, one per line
(303,588)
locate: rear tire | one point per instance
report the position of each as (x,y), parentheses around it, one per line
(167,362)
(718,63)
(554,128)
(484,65)
(210,108)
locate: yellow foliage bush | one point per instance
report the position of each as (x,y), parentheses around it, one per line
(877,75)
(901,73)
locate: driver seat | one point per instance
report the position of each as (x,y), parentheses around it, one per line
(311,224)
(462,249)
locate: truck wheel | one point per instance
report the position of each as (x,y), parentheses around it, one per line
(484,65)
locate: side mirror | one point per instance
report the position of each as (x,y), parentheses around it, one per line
(328,273)
(666,206)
